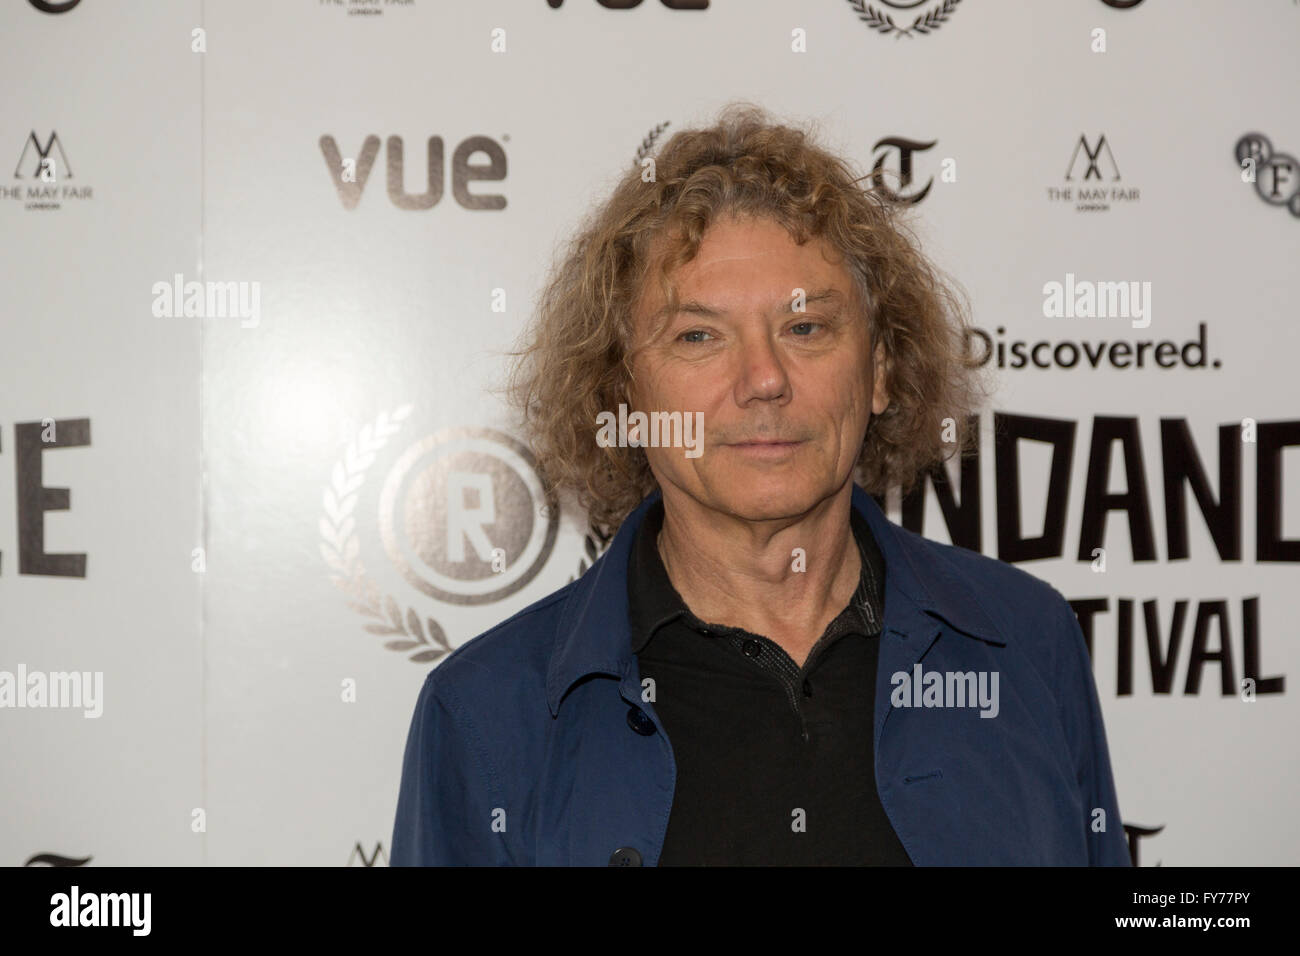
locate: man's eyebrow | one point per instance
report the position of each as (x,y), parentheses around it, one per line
(695,307)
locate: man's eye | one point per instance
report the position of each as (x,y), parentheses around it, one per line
(686,335)
(809,325)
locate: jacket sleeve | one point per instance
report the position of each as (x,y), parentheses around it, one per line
(449,798)
(1081,718)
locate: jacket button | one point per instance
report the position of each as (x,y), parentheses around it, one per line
(625,856)
(640,721)
(752,648)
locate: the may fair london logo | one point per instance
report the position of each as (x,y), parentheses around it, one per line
(43,178)
(455,517)
(1092,180)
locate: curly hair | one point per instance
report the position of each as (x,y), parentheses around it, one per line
(575,357)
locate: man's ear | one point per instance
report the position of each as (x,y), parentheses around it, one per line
(880,388)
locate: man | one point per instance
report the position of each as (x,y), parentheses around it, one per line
(761,668)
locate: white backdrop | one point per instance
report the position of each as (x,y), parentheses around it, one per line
(254,483)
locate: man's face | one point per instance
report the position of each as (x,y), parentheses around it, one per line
(785,395)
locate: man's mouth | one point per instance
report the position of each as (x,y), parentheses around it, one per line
(766,447)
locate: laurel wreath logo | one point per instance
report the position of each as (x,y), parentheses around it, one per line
(648,143)
(924,24)
(341,548)
(594,543)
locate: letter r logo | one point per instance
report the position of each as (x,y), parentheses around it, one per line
(465,520)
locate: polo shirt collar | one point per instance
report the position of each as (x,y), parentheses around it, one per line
(593,632)
(653,600)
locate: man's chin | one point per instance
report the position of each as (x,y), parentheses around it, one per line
(757,494)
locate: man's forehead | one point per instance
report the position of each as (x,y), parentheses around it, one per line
(716,306)
(819,279)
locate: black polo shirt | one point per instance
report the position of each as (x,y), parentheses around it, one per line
(775,764)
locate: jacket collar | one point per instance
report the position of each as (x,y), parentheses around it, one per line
(593,635)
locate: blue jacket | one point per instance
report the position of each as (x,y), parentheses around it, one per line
(524,747)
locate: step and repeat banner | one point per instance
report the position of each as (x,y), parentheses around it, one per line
(264,261)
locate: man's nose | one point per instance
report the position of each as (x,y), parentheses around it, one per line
(762,373)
